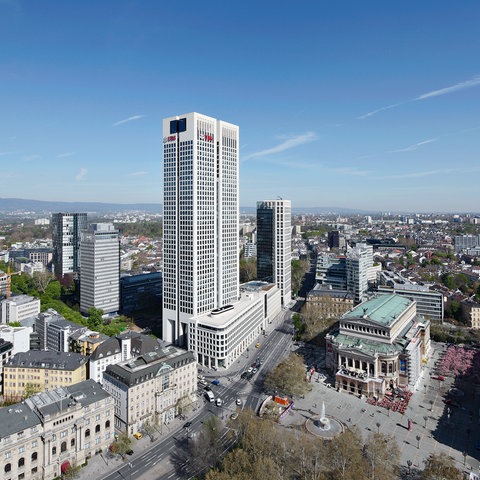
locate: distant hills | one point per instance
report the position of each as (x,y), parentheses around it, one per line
(9,206)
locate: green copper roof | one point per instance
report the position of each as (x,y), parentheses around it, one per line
(370,347)
(383,309)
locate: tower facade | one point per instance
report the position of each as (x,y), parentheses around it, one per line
(100,268)
(359,261)
(66,228)
(274,245)
(200,220)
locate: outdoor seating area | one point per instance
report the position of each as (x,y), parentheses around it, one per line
(395,400)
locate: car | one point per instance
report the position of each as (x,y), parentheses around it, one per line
(138,435)
(249,375)
(129,452)
(207,389)
(438,377)
(238,401)
(254,370)
(234,416)
(219,402)
(257,345)
(216,381)
(187,425)
(250,369)
(243,376)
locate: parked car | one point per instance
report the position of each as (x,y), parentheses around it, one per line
(216,381)
(243,376)
(138,435)
(438,377)
(234,416)
(219,402)
(129,452)
(250,369)
(254,370)
(257,345)
(238,401)
(187,425)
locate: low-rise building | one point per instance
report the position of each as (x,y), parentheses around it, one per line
(18,307)
(18,336)
(379,345)
(43,436)
(85,342)
(218,338)
(42,371)
(151,387)
(329,302)
(473,313)
(6,348)
(119,348)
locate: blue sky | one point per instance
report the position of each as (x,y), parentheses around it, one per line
(361,104)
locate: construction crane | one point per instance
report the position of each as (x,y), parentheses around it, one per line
(9,282)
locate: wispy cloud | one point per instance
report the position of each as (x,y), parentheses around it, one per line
(285,145)
(429,173)
(129,119)
(6,153)
(66,154)
(81,174)
(350,171)
(474,82)
(138,174)
(414,146)
(454,88)
(31,158)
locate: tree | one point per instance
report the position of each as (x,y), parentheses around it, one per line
(72,472)
(288,377)
(382,455)
(41,280)
(54,290)
(32,389)
(248,269)
(95,317)
(440,467)
(123,444)
(150,427)
(184,405)
(299,269)
(206,449)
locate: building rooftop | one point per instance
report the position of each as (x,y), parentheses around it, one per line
(21,299)
(384,309)
(47,360)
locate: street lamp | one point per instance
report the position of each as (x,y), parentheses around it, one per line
(378,427)
(409,465)
(425,417)
(431,405)
(418,441)
(464,457)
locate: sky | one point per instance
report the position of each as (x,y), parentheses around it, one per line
(371,105)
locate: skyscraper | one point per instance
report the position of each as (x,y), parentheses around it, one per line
(200,219)
(66,228)
(100,268)
(274,245)
(359,261)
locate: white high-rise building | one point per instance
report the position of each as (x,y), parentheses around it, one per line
(100,268)
(200,220)
(274,245)
(359,263)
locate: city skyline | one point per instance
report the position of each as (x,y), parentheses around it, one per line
(367,106)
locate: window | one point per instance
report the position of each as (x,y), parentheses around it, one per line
(63,447)
(34,470)
(21,462)
(107,424)
(97,428)
(54,450)
(34,456)
(87,433)
(72,442)
(8,467)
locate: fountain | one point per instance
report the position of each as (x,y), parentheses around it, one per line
(323,426)
(322,422)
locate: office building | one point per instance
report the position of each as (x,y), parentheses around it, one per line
(6,349)
(45,435)
(143,291)
(274,245)
(18,308)
(18,336)
(100,268)
(359,262)
(151,387)
(66,228)
(200,220)
(331,270)
(378,346)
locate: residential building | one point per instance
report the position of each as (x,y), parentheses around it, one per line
(42,437)
(200,220)
(100,268)
(331,270)
(274,245)
(85,342)
(35,254)
(19,307)
(379,345)
(66,228)
(222,335)
(473,313)
(151,387)
(42,371)
(119,348)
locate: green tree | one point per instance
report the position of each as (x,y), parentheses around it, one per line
(248,269)
(54,290)
(95,319)
(123,444)
(299,269)
(32,389)
(41,281)
(289,377)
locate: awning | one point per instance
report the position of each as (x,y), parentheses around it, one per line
(65,467)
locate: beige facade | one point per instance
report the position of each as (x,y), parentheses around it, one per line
(473,310)
(42,371)
(41,437)
(329,303)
